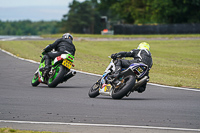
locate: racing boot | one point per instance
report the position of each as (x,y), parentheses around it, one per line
(47,66)
(141,88)
(116,74)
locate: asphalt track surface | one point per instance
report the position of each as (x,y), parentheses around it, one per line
(158,109)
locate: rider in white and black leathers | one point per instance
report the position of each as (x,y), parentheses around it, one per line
(62,45)
(141,54)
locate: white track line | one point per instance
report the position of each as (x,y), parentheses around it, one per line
(32,61)
(98,125)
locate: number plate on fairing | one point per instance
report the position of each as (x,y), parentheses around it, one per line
(105,90)
(140,69)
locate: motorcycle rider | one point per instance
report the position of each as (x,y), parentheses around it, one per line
(141,54)
(62,45)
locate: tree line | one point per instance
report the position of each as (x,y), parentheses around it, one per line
(27,27)
(89,16)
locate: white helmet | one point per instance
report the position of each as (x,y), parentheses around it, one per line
(67,35)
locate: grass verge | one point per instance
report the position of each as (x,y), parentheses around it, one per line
(169,36)
(10,130)
(175,62)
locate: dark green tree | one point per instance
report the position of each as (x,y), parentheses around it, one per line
(176,11)
(81,18)
(132,11)
(152,11)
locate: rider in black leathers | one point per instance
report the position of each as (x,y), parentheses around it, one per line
(62,45)
(141,54)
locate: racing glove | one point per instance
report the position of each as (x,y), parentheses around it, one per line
(114,56)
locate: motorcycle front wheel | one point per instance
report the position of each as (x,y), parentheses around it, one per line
(35,81)
(127,85)
(94,91)
(60,71)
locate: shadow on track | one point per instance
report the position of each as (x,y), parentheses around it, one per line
(128,99)
(58,87)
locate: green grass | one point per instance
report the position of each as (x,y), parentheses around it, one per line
(175,62)
(125,36)
(10,130)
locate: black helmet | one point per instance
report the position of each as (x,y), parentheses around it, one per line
(67,35)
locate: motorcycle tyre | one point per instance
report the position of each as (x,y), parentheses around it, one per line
(93,93)
(36,82)
(59,77)
(127,88)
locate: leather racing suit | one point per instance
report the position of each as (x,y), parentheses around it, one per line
(61,46)
(139,55)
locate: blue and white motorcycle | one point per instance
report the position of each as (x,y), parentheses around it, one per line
(130,79)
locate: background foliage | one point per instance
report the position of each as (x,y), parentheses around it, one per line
(27,27)
(85,17)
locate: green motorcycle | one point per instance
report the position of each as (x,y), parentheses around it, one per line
(60,71)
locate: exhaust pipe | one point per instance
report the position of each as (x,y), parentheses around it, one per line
(69,75)
(140,83)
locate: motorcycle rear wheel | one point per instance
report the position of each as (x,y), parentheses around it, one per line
(119,93)
(94,91)
(57,78)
